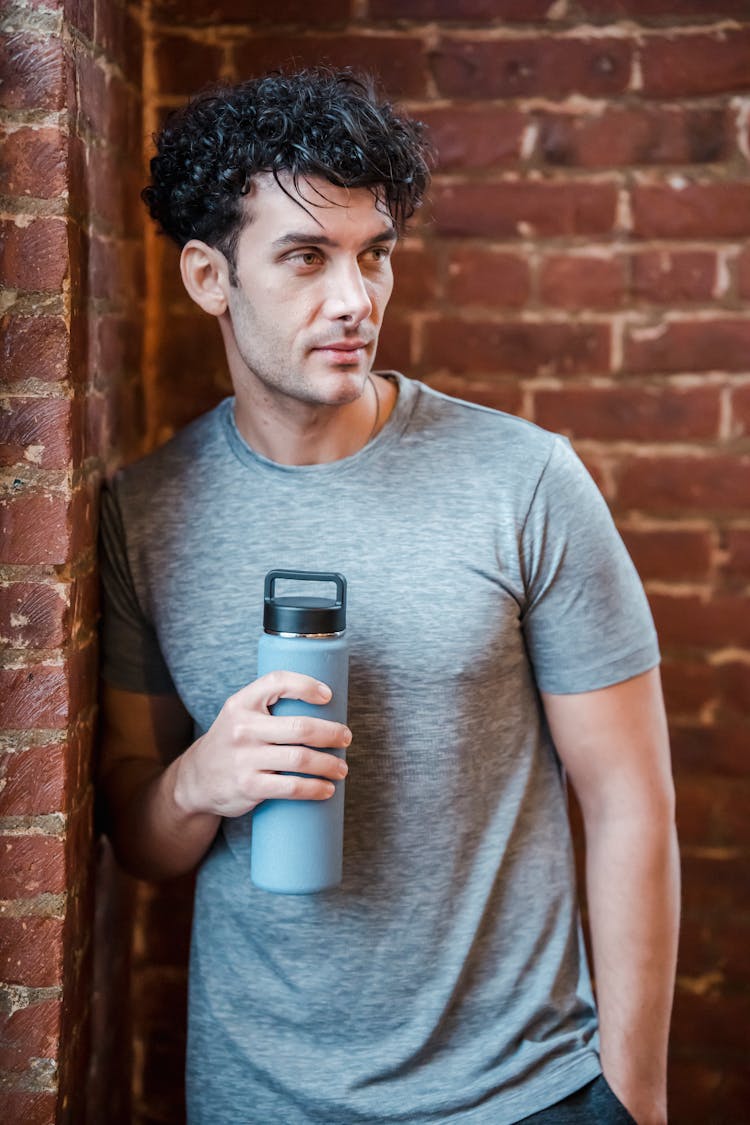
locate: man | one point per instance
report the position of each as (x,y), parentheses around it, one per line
(500,640)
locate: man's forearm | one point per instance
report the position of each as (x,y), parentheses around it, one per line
(632,875)
(154,837)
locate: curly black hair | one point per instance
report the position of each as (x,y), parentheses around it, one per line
(314,122)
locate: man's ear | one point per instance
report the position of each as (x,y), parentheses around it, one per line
(205,275)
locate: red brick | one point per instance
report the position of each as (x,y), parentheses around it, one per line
(711,883)
(34,697)
(737,547)
(198,12)
(132,51)
(691,621)
(114,269)
(116,345)
(675,276)
(696,808)
(415,278)
(185,65)
(490,278)
(498,394)
(719,1020)
(24,1108)
(34,257)
(668,554)
(718,210)
(656,9)
(741,410)
(36,430)
(399,62)
(643,135)
(34,781)
(538,67)
(718,750)
(524,207)
(718,483)
(31,866)
(94,109)
(446,10)
(622,413)
(33,614)
(688,685)
(479,137)
(577,281)
(33,162)
(743,272)
(527,349)
(33,71)
(34,347)
(31,951)
(29,1033)
(706,345)
(35,528)
(394,345)
(696,65)
(108,189)
(734,679)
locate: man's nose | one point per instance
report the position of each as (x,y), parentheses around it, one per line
(347,298)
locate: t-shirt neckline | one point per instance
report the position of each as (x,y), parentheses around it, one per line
(394,426)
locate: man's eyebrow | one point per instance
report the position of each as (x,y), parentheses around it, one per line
(312,238)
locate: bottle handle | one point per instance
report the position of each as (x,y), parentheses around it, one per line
(269,587)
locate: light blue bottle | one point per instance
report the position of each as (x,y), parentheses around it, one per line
(297,846)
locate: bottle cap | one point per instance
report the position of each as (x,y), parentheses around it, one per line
(303,614)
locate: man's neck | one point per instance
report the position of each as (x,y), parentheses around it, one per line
(299,433)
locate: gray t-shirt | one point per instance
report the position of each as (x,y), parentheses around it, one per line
(444,981)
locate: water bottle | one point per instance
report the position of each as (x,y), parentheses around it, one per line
(297,846)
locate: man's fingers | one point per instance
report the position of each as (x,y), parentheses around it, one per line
(299,759)
(269,689)
(300,729)
(290,787)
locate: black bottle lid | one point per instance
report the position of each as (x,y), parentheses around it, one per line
(302,614)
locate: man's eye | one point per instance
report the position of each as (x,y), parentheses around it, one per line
(378,253)
(305,258)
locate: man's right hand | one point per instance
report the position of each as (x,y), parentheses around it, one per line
(162,820)
(249,755)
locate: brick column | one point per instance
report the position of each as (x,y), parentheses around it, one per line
(70,149)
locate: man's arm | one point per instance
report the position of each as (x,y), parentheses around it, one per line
(164,796)
(615,748)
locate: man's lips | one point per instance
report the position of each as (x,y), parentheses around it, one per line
(342,346)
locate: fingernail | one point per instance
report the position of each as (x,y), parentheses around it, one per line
(347,737)
(343,769)
(331,788)
(324,690)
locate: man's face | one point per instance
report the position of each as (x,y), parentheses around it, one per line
(306,311)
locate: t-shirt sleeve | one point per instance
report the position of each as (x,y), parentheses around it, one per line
(586,620)
(131,656)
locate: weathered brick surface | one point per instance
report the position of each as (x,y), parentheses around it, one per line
(31,951)
(581,261)
(645,135)
(690,65)
(69,179)
(34,257)
(554,68)
(690,210)
(526,209)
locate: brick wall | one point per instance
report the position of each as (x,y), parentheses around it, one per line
(70,283)
(583,263)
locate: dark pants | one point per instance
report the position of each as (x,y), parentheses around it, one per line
(593,1104)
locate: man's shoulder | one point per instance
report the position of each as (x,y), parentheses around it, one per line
(184,457)
(488,431)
